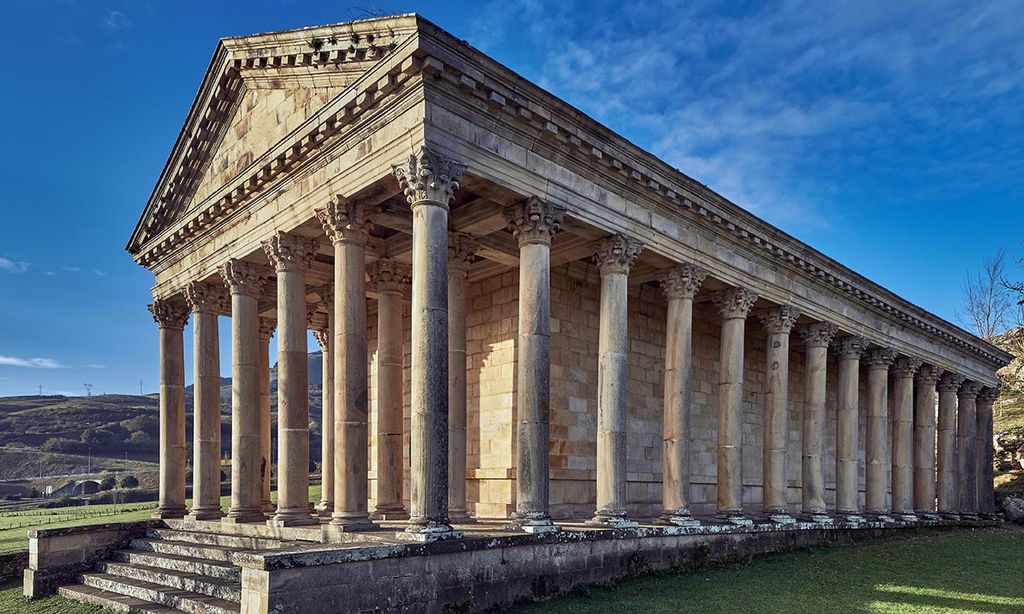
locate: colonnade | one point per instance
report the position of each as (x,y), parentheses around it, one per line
(901,455)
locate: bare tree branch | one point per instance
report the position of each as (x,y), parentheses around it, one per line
(989,303)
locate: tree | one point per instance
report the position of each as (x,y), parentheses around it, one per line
(129,481)
(108,483)
(989,302)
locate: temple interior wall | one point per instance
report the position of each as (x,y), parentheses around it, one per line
(492,311)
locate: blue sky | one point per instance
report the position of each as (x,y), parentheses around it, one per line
(888,135)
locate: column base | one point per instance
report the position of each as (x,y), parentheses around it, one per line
(612,519)
(205,514)
(734,517)
(780,517)
(850,516)
(460,517)
(678,518)
(299,517)
(348,522)
(324,510)
(397,513)
(532,522)
(268,507)
(906,516)
(816,516)
(428,531)
(244,516)
(881,517)
(170,512)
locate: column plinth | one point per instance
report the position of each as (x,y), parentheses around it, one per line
(946,496)
(534,224)
(429,180)
(734,306)
(680,284)
(291,256)
(924,442)
(966,447)
(876,447)
(246,284)
(347,224)
(847,465)
(615,258)
(207,301)
(816,338)
(171,316)
(903,438)
(391,281)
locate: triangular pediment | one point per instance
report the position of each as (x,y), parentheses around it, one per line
(259,89)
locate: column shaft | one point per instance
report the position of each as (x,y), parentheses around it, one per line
(876,449)
(205,300)
(778,323)
(847,463)
(460,252)
(680,284)
(903,437)
(946,457)
(170,316)
(326,340)
(966,445)
(390,421)
(266,331)
(984,452)
(817,336)
(924,440)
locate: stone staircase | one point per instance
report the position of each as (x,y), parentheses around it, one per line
(171,571)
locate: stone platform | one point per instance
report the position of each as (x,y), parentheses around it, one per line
(251,568)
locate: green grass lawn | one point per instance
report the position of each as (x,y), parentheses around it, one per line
(935,571)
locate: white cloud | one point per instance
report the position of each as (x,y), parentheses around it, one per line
(95,366)
(31,363)
(116,20)
(13,266)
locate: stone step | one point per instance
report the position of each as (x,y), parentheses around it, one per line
(228,590)
(178,599)
(203,567)
(112,601)
(216,539)
(184,549)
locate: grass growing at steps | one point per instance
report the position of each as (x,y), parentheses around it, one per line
(933,571)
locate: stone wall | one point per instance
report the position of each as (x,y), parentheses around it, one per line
(12,564)
(492,311)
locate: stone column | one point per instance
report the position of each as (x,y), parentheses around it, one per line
(966,463)
(734,306)
(876,448)
(850,350)
(246,284)
(170,316)
(680,284)
(949,383)
(778,323)
(207,301)
(429,180)
(292,256)
(390,279)
(347,224)
(903,438)
(615,258)
(266,331)
(924,441)
(984,470)
(816,338)
(534,224)
(461,250)
(325,339)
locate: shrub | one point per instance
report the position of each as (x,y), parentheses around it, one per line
(129,481)
(108,482)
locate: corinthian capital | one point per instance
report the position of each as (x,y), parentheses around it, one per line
(346,222)
(242,278)
(881,358)
(906,366)
(206,297)
(818,334)
(969,389)
(427,176)
(682,280)
(988,396)
(289,252)
(735,303)
(389,276)
(950,382)
(169,312)
(461,251)
(929,375)
(617,254)
(323,339)
(534,221)
(315,319)
(266,328)
(779,320)
(851,346)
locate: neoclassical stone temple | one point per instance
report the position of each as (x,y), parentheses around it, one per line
(541,343)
